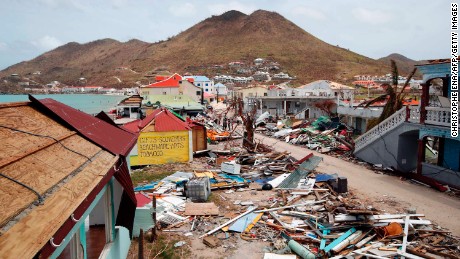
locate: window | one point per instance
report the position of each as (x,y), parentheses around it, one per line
(198,92)
(206,89)
(206,84)
(164,93)
(265,94)
(198,84)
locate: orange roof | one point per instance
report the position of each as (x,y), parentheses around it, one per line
(411,102)
(172,81)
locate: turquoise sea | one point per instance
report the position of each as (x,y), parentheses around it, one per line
(89,103)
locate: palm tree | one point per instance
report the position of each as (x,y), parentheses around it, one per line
(394,98)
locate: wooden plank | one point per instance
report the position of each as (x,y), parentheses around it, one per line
(33,231)
(40,171)
(201,209)
(412,221)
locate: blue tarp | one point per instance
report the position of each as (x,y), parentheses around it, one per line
(146,187)
(241,224)
(325,177)
(234,178)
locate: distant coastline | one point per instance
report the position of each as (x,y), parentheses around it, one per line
(90,103)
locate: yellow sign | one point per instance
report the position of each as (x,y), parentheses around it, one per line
(163,147)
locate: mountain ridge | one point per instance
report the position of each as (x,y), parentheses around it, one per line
(231,36)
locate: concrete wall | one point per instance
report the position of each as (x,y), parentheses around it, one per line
(441,174)
(159,90)
(387,151)
(451,154)
(189,89)
(277,106)
(360,111)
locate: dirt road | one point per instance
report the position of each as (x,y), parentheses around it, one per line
(386,192)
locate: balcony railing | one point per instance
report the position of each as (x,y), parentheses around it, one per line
(438,116)
(434,116)
(376,132)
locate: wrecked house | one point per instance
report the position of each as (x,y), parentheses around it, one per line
(65,187)
(417,138)
(301,101)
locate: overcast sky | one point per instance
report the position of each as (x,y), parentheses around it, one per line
(418,29)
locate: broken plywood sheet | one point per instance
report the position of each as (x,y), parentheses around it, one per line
(212,241)
(201,209)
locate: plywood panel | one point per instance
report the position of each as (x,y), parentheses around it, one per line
(195,140)
(41,171)
(27,119)
(201,140)
(201,209)
(25,153)
(32,232)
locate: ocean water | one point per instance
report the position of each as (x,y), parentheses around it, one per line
(89,103)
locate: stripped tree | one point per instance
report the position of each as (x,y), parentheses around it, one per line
(394,98)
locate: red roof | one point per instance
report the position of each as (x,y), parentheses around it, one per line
(411,102)
(111,138)
(142,200)
(133,126)
(163,120)
(172,81)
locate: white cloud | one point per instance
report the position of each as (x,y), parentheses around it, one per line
(47,43)
(309,12)
(3,46)
(218,9)
(117,4)
(371,16)
(183,10)
(74,4)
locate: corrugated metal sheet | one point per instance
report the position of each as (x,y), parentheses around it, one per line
(304,169)
(132,126)
(113,139)
(163,121)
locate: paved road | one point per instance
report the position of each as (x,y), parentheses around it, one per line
(386,192)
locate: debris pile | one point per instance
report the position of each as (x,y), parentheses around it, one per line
(289,207)
(324,135)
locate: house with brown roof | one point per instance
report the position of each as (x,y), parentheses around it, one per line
(65,189)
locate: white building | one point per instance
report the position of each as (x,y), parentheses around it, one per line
(221,89)
(203,82)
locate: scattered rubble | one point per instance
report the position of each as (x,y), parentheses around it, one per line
(282,204)
(324,135)
(307,214)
